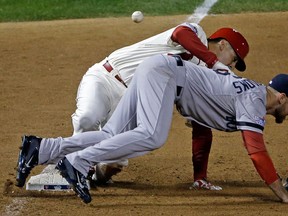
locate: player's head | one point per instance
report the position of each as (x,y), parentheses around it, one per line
(280,84)
(237,42)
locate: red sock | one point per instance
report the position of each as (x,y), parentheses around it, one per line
(201,145)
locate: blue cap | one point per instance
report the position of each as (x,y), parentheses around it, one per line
(280,83)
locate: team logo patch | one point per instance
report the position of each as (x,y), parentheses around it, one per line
(259,120)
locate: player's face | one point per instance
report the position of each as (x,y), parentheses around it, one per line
(228,56)
(233,57)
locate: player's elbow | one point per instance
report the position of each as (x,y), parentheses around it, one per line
(179,32)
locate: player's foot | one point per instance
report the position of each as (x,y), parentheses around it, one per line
(285,183)
(204,184)
(101,174)
(28,158)
(76,179)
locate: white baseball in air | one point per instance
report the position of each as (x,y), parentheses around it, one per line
(137,16)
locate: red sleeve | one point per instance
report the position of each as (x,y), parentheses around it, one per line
(253,141)
(188,39)
(255,146)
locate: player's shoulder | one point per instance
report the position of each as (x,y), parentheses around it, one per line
(193,26)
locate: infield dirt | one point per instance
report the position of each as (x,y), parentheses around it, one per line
(41,66)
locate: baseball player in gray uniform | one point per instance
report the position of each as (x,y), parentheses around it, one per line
(141,122)
(104,84)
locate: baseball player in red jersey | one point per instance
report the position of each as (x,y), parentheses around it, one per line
(141,122)
(99,92)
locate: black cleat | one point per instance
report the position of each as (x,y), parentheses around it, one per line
(76,179)
(28,158)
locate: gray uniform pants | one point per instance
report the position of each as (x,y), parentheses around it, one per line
(140,123)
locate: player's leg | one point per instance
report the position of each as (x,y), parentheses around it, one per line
(145,113)
(201,145)
(93,102)
(148,110)
(53,149)
(97,97)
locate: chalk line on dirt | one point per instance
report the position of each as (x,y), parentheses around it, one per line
(15,207)
(201,11)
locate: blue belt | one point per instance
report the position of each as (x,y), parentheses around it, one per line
(179,62)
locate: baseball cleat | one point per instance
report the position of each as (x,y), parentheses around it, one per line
(204,184)
(285,183)
(102,173)
(28,158)
(76,179)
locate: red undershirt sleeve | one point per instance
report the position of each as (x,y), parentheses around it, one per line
(255,146)
(188,39)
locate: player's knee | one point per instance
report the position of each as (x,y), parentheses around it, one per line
(86,122)
(157,141)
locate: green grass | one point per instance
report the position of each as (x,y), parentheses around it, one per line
(31,10)
(240,6)
(26,10)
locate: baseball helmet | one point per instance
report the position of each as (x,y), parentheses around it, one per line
(238,43)
(280,83)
